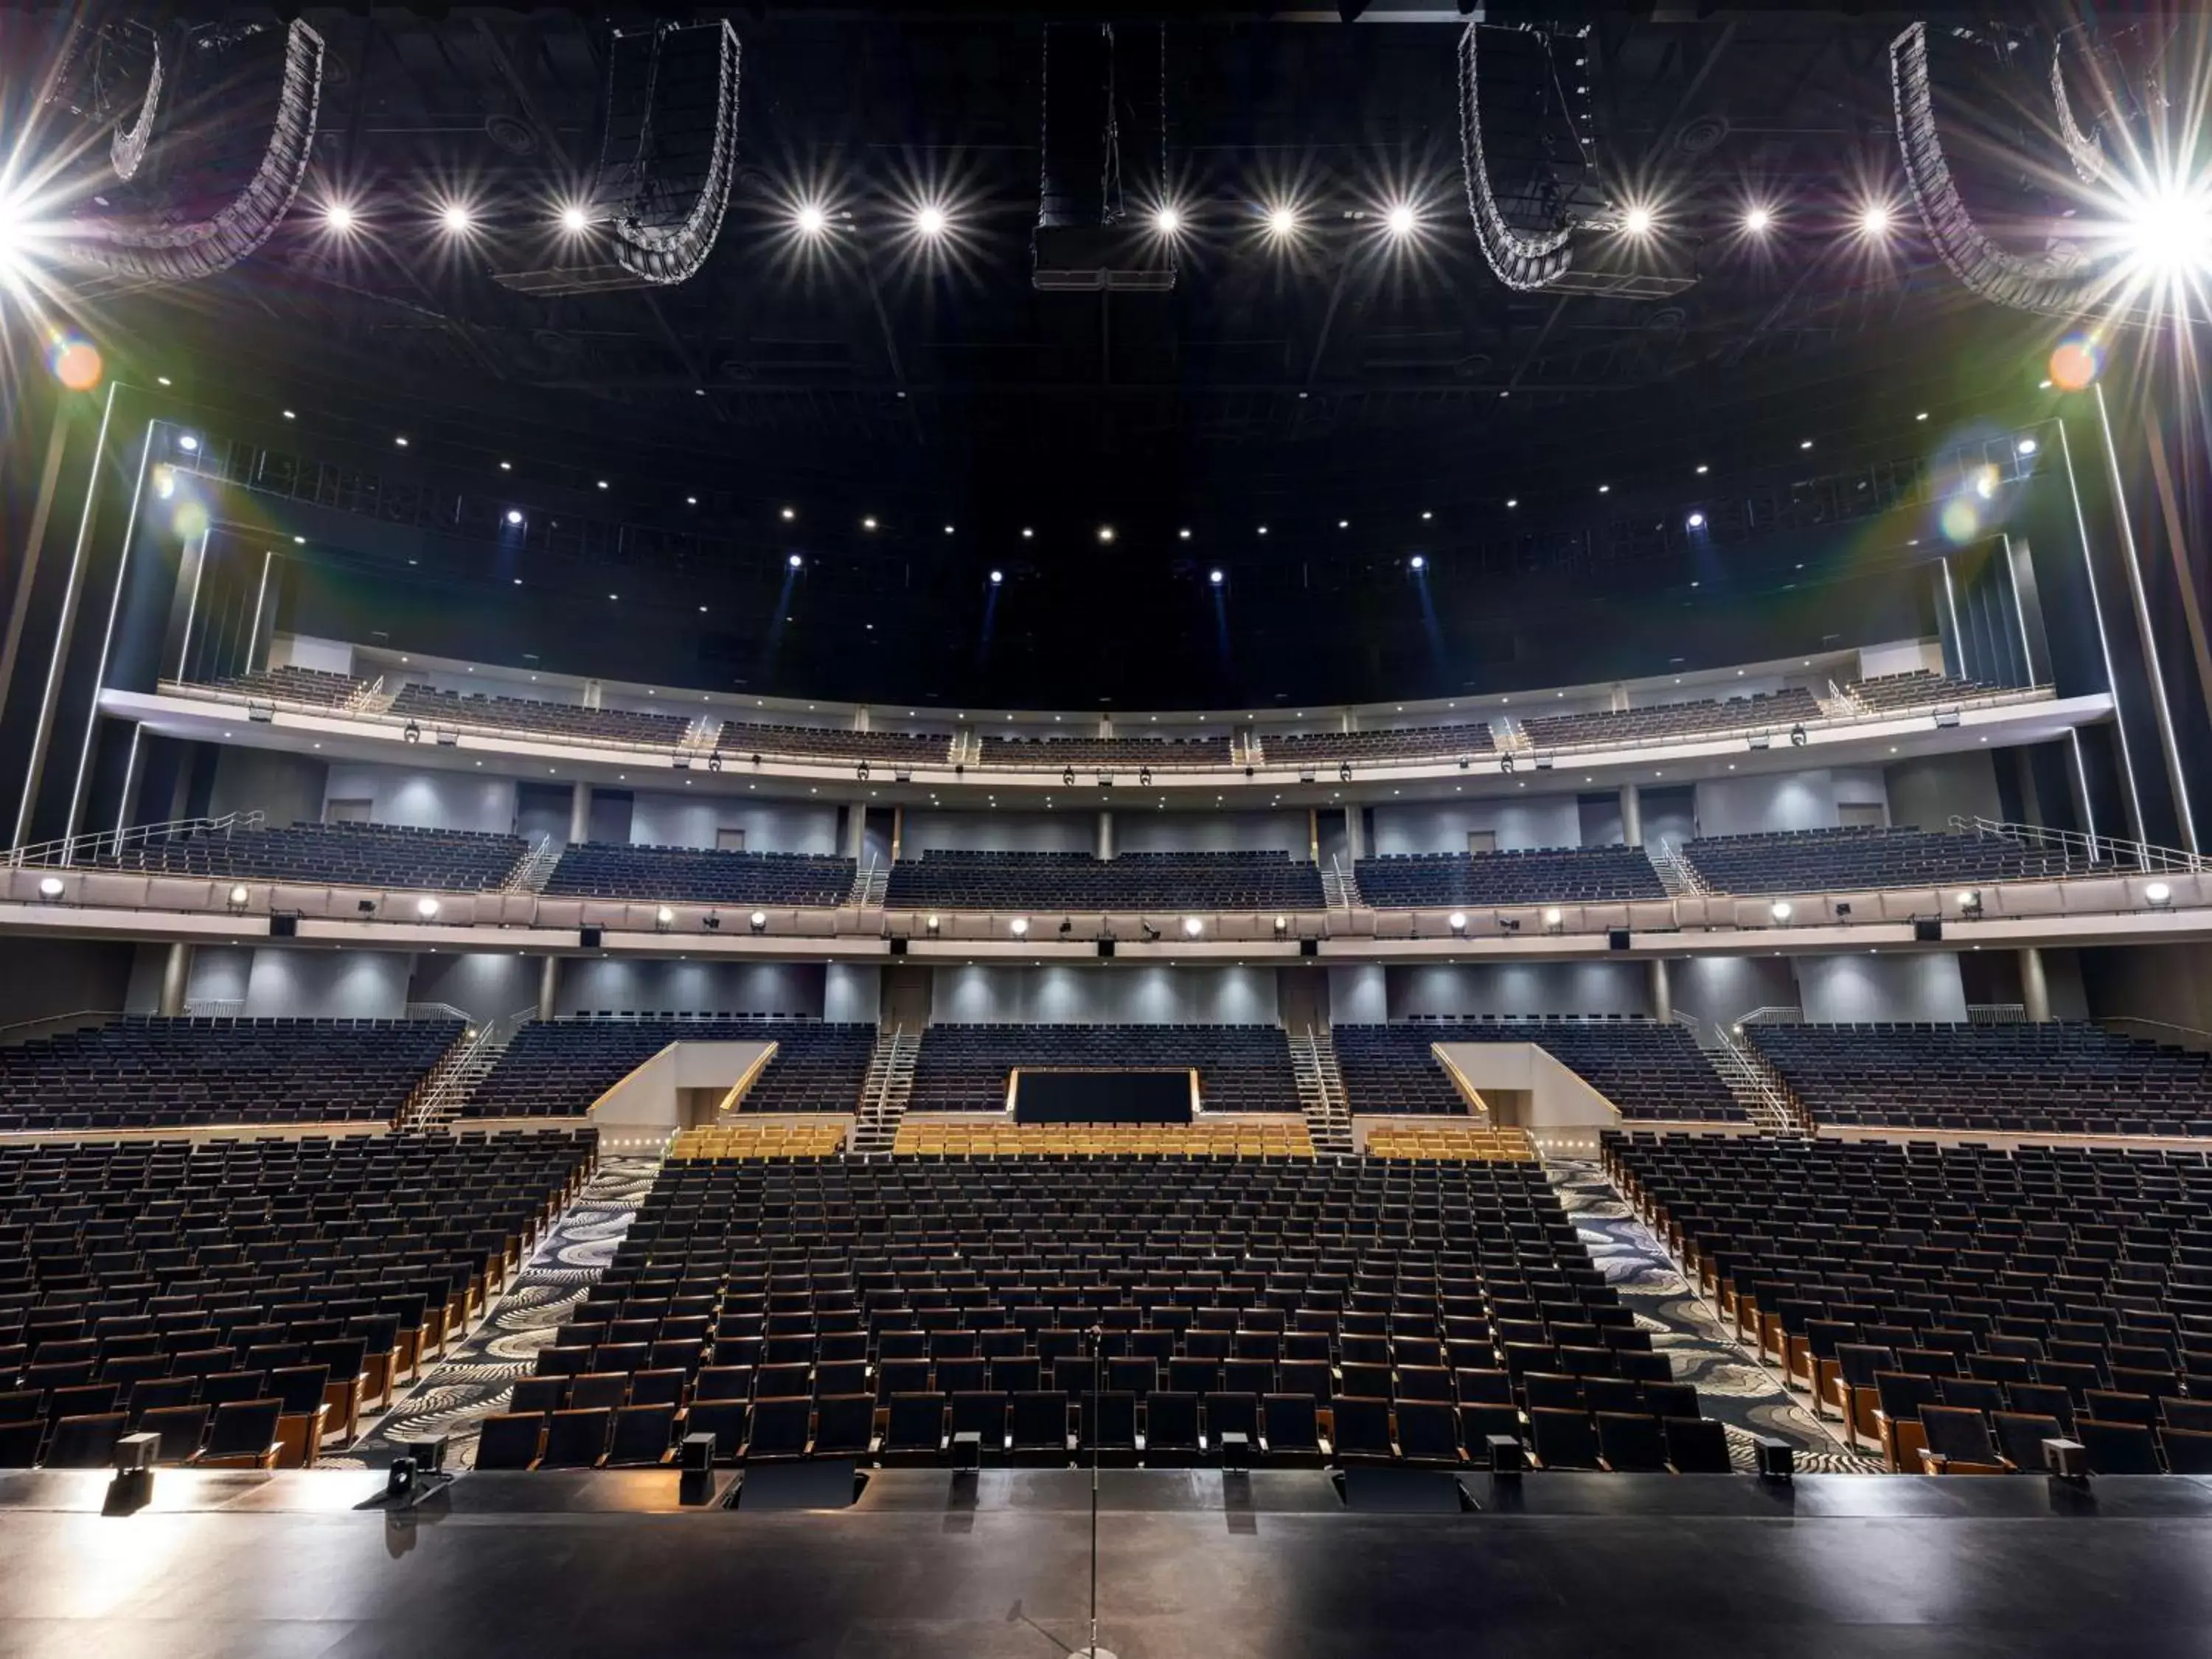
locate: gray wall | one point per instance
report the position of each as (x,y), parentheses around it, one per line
(1103,994)
(1893,987)
(486,985)
(1926,791)
(1599,818)
(1670,815)
(1071,831)
(853,993)
(1773,801)
(43,976)
(1721,990)
(220,973)
(623,985)
(1210,832)
(287,787)
(686,818)
(1358,994)
(1443,826)
(1427,989)
(425,798)
(2168,982)
(301,983)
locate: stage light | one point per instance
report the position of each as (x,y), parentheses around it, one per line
(664,915)
(2157,893)
(1697,521)
(1875,220)
(1192,926)
(1779,909)
(1144,777)
(189,444)
(1758,221)
(1458,921)
(1344,772)
(1798,738)
(574,220)
(2169,230)
(514,515)
(788,514)
(399,441)
(1970,902)
(1554,916)
(795,561)
(339,218)
(1282,925)
(1020,927)
(1417,562)
(2025,447)
(1282,221)
(1401,220)
(929,220)
(238,896)
(810,220)
(931,925)
(49,887)
(1167,219)
(997,577)
(410,732)
(1637,220)
(757,921)
(1067,777)
(426,908)
(75,363)
(455,219)
(1215,577)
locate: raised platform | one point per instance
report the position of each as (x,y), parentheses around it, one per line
(1191,1563)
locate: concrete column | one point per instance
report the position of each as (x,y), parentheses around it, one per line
(1355,832)
(856,832)
(898,833)
(1105,835)
(1631,815)
(176,977)
(579,812)
(1662,990)
(2034,989)
(548,986)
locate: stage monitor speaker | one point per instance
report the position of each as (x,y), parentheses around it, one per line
(1616,938)
(898,947)
(1928,930)
(1308,947)
(589,937)
(284,926)
(1375,1491)
(817,1483)
(1105,947)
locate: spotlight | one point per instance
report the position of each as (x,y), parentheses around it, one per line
(1151,933)
(365,907)
(1168,219)
(997,577)
(1144,777)
(1798,738)
(574,220)
(1697,521)
(1106,532)
(868,523)
(1192,926)
(426,908)
(1020,927)
(1417,562)
(1458,920)
(1215,576)
(1505,765)
(1065,927)
(931,925)
(861,771)
(665,916)
(1779,909)
(2169,231)
(929,220)
(1067,777)
(1970,902)
(1344,772)
(2157,893)
(1282,925)
(1283,221)
(1758,221)
(1554,917)
(1637,220)
(810,220)
(1401,220)
(412,732)
(1510,924)
(189,444)
(49,887)
(2025,447)
(758,921)
(795,561)
(238,896)
(715,761)
(514,515)
(455,219)
(1875,220)
(788,514)
(339,218)
(711,922)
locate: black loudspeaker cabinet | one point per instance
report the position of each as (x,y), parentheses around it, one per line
(589,937)
(1105,947)
(1308,947)
(1928,930)
(898,947)
(283,927)
(1616,938)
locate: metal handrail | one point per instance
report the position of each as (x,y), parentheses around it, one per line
(1996,1013)
(2089,850)
(1772,1013)
(114,843)
(2201,1037)
(24,1030)
(437,1011)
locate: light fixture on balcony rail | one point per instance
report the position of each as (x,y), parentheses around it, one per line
(664,917)
(1970,901)
(1067,777)
(1192,926)
(1019,927)
(931,925)
(1762,740)
(1554,918)
(1343,773)
(1505,765)
(49,887)
(861,771)
(238,896)
(1510,924)
(715,761)
(1458,921)
(2157,893)
(1144,777)
(758,921)
(711,922)
(1779,909)
(1798,738)
(412,732)
(427,908)
(1282,925)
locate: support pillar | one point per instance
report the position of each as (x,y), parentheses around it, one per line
(856,832)
(1662,990)
(1355,832)
(1105,835)
(548,986)
(2035,988)
(176,979)
(1631,815)
(580,812)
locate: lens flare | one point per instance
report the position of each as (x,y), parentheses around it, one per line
(189,520)
(76,363)
(1960,521)
(2074,365)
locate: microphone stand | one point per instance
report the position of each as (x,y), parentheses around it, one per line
(1091,1429)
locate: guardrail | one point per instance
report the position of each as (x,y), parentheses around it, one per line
(112,845)
(2090,852)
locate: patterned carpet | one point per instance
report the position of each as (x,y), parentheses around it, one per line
(1732,1386)
(477,1378)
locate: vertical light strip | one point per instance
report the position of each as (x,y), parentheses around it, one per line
(2104,640)
(2019,608)
(2164,715)
(1951,606)
(260,597)
(198,552)
(2081,787)
(42,734)
(129,780)
(107,639)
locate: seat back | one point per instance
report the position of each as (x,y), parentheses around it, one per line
(243,1428)
(641,1434)
(85,1443)
(509,1440)
(1696,1445)
(576,1438)
(1631,1441)
(1564,1439)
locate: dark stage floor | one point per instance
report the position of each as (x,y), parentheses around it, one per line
(552,1565)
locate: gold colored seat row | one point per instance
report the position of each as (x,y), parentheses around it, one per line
(749,1140)
(1232,1138)
(1459,1143)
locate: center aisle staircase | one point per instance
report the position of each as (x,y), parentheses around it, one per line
(448,1089)
(1320,1092)
(885,1092)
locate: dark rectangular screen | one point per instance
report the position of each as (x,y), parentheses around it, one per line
(1102,1096)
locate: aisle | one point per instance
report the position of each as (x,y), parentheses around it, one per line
(475,1380)
(1732,1386)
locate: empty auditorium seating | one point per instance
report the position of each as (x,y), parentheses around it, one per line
(851,1307)
(1845,860)
(336,854)
(2056,1078)
(246,1299)
(1393,1068)
(595,869)
(1661,721)
(1889,694)
(1052,753)
(1546,875)
(734,1138)
(2048,1290)
(1269,881)
(1277,1136)
(1478,1142)
(564,719)
(1647,1068)
(1364,748)
(138,1070)
(557,1068)
(316,686)
(1241,1068)
(746,738)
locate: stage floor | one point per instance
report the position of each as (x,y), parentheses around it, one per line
(553,1565)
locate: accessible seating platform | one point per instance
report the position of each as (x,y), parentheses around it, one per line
(332,854)
(701,875)
(1451,1141)
(1270,881)
(1863,860)
(558,1068)
(737,1138)
(2053,1078)
(1276,1136)
(141,1073)
(918,1310)
(249,1300)
(1649,1068)
(1956,1306)
(1241,1068)
(1561,875)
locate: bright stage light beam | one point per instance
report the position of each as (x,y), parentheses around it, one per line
(1167,219)
(1637,220)
(811,219)
(1282,221)
(1401,220)
(455,219)
(1876,220)
(929,220)
(1758,221)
